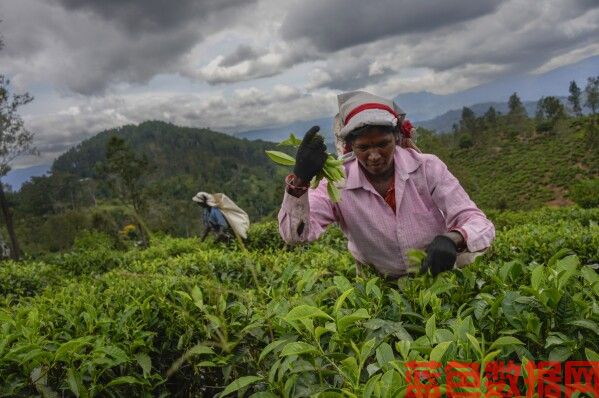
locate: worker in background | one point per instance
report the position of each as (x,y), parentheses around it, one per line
(223,217)
(214,221)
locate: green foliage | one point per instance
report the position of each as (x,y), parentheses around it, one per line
(53,233)
(466,141)
(265,236)
(550,108)
(586,193)
(549,111)
(18,281)
(57,232)
(93,240)
(575,98)
(123,165)
(200,319)
(538,242)
(516,108)
(468,121)
(543,216)
(490,117)
(15,139)
(332,169)
(592,94)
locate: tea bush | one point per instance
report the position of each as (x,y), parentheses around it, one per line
(185,318)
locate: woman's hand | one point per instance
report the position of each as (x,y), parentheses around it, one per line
(440,255)
(310,157)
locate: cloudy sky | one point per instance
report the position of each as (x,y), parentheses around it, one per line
(235,65)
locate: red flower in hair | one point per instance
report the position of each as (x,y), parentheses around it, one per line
(406,128)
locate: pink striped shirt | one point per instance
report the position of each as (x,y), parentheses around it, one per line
(430,201)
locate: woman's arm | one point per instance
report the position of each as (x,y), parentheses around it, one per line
(461,213)
(305,213)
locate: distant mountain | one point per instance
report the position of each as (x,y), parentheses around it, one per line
(279,133)
(441,124)
(438,111)
(17,177)
(424,105)
(445,122)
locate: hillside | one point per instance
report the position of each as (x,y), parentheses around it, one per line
(519,171)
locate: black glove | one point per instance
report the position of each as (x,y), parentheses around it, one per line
(311,155)
(440,255)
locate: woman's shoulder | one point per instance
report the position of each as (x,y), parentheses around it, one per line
(413,161)
(422,157)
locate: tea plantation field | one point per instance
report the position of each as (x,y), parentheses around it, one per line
(184,318)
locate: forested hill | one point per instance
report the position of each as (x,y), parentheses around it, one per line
(181,162)
(208,156)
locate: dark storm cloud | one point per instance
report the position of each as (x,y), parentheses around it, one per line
(131,62)
(86,46)
(520,42)
(338,24)
(347,76)
(140,16)
(242,53)
(518,37)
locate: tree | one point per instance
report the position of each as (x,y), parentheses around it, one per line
(516,109)
(15,140)
(490,116)
(574,98)
(468,121)
(465,141)
(550,108)
(549,111)
(592,92)
(490,119)
(127,170)
(592,102)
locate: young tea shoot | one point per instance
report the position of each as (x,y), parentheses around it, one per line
(332,170)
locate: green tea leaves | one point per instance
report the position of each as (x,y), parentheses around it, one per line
(292,141)
(305,312)
(344,322)
(332,169)
(439,350)
(238,384)
(505,341)
(298,348)
(281,158)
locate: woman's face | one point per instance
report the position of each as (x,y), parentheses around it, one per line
(375,149)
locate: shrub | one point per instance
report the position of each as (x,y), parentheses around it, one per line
(93,240)
(586,193)
(265,236)
(466,141)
